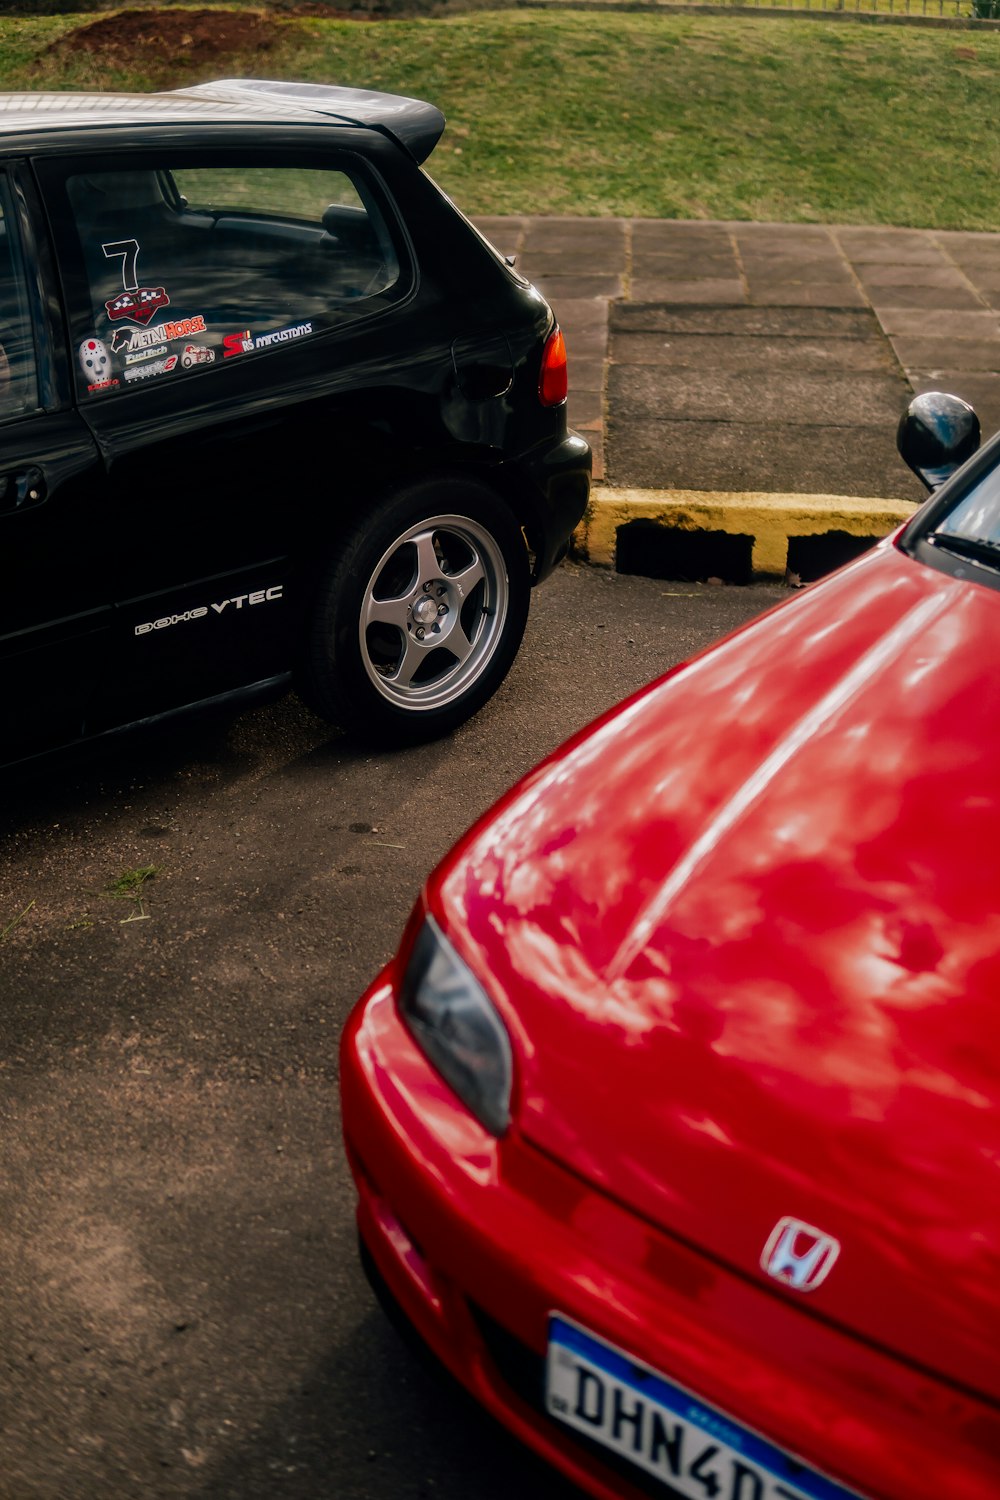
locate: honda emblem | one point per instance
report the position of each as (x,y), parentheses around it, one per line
(799,1254)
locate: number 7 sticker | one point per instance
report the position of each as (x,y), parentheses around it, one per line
(129,252)
(135,303)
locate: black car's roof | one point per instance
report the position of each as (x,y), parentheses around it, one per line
(416,124)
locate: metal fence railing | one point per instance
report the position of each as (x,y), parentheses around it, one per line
(965,9)
(956,10)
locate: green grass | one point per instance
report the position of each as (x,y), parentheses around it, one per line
(129,885)
(669,116)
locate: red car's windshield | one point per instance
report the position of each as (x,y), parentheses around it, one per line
(977,514)
(969,528)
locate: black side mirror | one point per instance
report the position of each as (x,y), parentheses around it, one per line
(936,434)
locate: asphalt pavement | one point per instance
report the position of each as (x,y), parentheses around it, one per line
(728,374)
(182,1311)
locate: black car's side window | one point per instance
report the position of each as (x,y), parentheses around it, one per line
(188,266)
(18,383)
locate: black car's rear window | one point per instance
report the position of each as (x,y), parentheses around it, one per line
(187,266)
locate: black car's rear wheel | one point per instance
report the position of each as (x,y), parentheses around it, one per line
(421,615)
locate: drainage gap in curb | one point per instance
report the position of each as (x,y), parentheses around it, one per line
(655,551)
(813,556)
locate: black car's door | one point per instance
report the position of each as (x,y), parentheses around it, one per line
(217,301)
(54,589)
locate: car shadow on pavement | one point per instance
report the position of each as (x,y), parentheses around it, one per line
(378,1422)
(218,748)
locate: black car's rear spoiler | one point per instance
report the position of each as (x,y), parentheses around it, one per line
(416,125)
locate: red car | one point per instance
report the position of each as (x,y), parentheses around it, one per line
(675,1119)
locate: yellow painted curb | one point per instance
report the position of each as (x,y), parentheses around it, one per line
(769,519)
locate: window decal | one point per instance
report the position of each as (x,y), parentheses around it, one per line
(95,362)
(197,354)
(245,342)
(134,302)
(156,352)
(129,252)
(152,367)
(128,340)
(282,335)
(237,343)
(138,306)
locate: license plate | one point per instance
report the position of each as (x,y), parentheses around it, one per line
(693,1449)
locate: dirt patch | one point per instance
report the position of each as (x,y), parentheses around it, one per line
(199,36)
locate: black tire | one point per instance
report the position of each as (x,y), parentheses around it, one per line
(420,616)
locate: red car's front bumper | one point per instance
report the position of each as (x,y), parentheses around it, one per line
(478,1240)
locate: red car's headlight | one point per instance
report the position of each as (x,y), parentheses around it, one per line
(456,1025)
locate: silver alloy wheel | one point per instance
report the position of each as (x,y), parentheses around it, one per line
(434,612)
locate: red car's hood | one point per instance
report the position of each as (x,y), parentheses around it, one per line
(745,934)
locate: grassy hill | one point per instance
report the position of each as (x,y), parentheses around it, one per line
(631,114)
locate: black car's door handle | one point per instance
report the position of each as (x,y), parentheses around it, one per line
(21,488)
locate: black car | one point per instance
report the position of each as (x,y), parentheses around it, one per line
(271,411)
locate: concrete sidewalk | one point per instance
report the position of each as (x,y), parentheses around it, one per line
(746,379)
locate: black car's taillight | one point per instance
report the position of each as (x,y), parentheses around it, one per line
(553,383)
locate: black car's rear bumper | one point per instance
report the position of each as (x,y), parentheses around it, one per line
(554,482)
